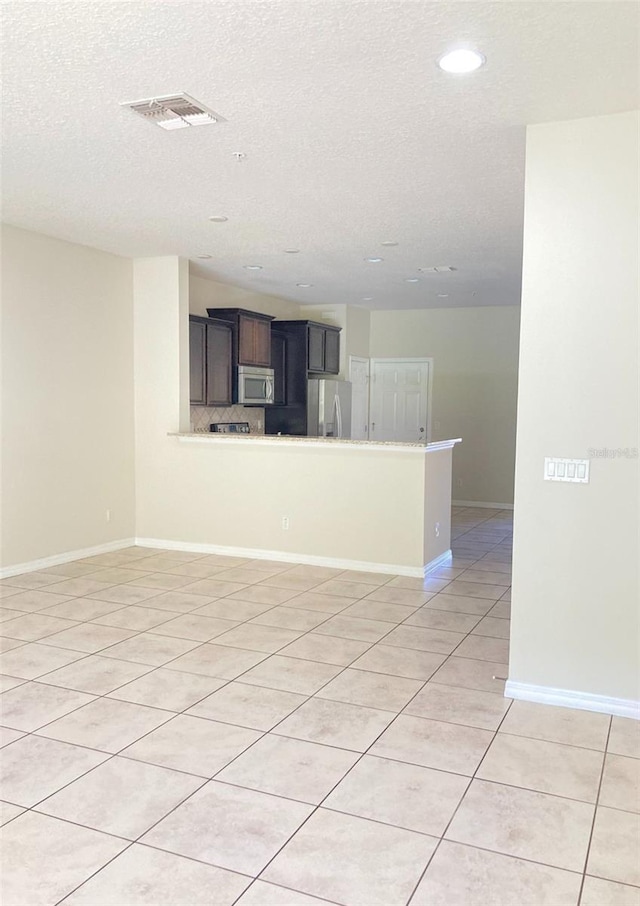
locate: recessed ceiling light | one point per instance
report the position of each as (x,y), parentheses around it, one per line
(374,260)
(218,218)
(304,285)
(203,256)
(443,295)
(388,242)
(292,251)
(411,280)
(367,298)
(253,267)
(461,60)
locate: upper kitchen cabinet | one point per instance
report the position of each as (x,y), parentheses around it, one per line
(279,365)
(251,335)
(321,344)
(210,350)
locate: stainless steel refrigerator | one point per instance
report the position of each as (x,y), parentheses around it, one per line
(328,408)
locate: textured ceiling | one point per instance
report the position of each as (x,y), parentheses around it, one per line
(352,135)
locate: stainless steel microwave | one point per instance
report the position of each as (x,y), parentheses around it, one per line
(255,386)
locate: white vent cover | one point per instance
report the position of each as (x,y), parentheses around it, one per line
(174,111)
(440,269)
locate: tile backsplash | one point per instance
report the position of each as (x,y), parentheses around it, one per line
(202,417)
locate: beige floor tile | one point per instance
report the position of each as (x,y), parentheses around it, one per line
(6,614)
(8,591)
(597,892)
(460,604)
(34,659)
(157,582)
(33,768)
(321,603)
(374,690)
(248,706)
(192,744)
(262,894)
(291,582)
(368,609)
(290,618)
(464,875)
(501,610)
(117,574)
(291,674)
(168,689)
(614,846)
(336,724)
(147,877)
(245,574)
(249,827)
(405,795)
(547,767)
(135,617)
(483,648)
(8,736)
(105,724)
(213,588)
(180,601)
(151,649)
(504,569)
(50,858)
(471,674)
(624,738)
(145,794)
(567,725)
(10,682)
(89,637)
(226,609)
(346,589)
(34,601)
(94,674)
(292,768)
(621,783)
(217,660)
(32,705)
(33,626)
(405,597)
(475,589)
(428,618)
(264,594)
(493,627)
(322,573)
(325,649)
(348,627)
(371,578)
(525,824)
(123,594)
(486,577)
(36,579)
(258,638)
(79,587)
(470,707)
(438,641)
(351,860)
(196,627)
(434,744)
(409,663)
(81,609)
(8,812)
(7,644)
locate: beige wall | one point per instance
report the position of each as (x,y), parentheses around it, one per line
(475,352)
(67,397)
(205,293)
(575,571)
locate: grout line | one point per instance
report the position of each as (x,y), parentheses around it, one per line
(595,809)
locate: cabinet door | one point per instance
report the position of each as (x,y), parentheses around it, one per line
(246,340)
(332,352)
(316,348)
(262,342)
(218,365)
(279,364)
(197,340)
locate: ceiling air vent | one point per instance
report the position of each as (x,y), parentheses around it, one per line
(174,111)
(440,269)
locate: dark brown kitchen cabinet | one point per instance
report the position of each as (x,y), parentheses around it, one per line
(332,351)
(210,350)
(315,340)
(323,349)
(251,336)
(279,365)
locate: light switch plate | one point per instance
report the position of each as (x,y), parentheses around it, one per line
(574,470)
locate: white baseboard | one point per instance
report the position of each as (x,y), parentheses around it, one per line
(438,562)
(567,698)
(483,503)
(7,571)
(281,557)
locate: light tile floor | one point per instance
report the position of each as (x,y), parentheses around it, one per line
(182,729)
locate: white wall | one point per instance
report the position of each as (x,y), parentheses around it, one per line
(475,352)
(575,571)
(67,397)
(205,293)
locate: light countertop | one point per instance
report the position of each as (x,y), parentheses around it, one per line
(291,440)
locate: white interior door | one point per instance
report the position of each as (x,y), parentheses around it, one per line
(400,399)
(359,377)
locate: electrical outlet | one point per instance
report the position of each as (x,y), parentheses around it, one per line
(285,523)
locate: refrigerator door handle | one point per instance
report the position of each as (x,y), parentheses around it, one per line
(338,431)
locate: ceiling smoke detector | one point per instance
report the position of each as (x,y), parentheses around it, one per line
(174,111)
(440,269)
